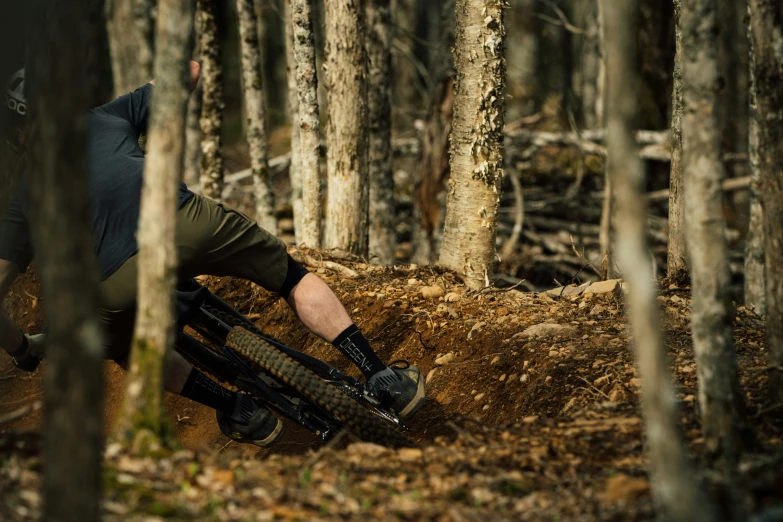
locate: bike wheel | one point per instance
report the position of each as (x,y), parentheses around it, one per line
(347,411)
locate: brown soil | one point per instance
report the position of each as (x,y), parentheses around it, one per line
(541,427)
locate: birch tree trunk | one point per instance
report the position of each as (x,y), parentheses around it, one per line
(212,101)
(131,29)
(607,210)
(346,129)
(157,257)
(383,234)
(766,21)
(253,85)
(673,484)
(309,124)
(476,141)
(294,170)
(676,266)
(60,86)
(711,317)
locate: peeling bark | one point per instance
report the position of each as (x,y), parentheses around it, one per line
(673,484)
(212,101)
(253,85)
(476,141)
(131,28)
(347,127)
(766,20)
(157,257)
(711,319)
(309,123)
(295,169)
(383,234)
(60,87)
(676,265)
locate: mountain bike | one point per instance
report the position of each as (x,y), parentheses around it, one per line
(300,387)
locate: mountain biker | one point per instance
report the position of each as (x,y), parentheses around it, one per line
(211,239)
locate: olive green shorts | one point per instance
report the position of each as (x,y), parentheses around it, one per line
(211,240)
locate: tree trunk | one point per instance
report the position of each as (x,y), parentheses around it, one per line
(476,141)
(60,89)
(591,84)
(295,168)
(256,115)
(131,30)
(192,169)
(212,110)
(676,266)
(674,485)
(383,236)
(347,130)
(711,317)
(607,209)
(766,20)
(522,56)
(157,257)
(309,124)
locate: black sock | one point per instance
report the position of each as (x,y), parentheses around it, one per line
(354,346)
(204,390)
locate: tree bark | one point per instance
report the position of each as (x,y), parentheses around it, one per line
(253,85)
(673,483)
(522,55)
(711,318)
(347,128)
(676,266)
(383,234)
(476,141)
(295,168)
(131,29)
(309,127)
(212,101)
(191,173)
(157,257)
(607,209)
(60,88)
(766,20)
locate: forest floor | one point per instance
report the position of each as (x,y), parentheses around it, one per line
(517,426)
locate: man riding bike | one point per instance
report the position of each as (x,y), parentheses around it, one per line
(211,239)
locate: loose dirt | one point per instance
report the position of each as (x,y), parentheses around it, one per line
(516,427)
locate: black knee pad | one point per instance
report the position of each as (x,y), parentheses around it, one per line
(295,274)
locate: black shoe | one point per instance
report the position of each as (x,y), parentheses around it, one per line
(250,423)
(400,389)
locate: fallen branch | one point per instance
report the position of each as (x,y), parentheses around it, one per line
(329,265)
(728,185)
(21,412)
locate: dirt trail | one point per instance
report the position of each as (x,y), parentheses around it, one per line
(517,426)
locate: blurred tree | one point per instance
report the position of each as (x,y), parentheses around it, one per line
(676,265)
(213,105)
(256,115)
(476,138)
(294,170)
(60,89)
(766,22)
(347,128)
(154,330)
(382,215)
(673,483)
(522,58)
(308,128)
(720,400)
(131,28)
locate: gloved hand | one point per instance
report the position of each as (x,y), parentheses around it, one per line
(30,360)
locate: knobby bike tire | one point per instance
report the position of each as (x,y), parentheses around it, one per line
(350,413)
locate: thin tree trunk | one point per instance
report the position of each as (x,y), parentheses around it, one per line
(676,266)
(383,234)
(192,170)
(711,317)
(674,484)
(766,20)
(755,280)
(256,115)
(607,209)
(347,129)
(154,330)
(600,81)
(309,126)
(60,89)
(476,141)
(295,168)
(212,109)
(131,29)
(522,57)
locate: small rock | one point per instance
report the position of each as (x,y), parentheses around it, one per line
(675,299)
(502,378)
(367,448)
(512,377)
(452,297)
(570,404)
(502,311)
(432,292)
(548,379)
(412,282)
(624,488)
(445,359)
(572,290)
(553,353)
(603,287)
(479,396)
(495,360)
(601,380)
(598,310)
(530,420)
(476,327)
(523,378)
(548,330)
(430,375)
(486,407)
(617,394)
(409,454)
